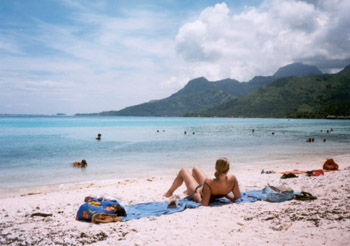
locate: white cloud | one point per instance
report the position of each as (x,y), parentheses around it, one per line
(92,58)
(261,39)
(96,60)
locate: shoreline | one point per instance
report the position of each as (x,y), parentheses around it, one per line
(311,163)
(323,221)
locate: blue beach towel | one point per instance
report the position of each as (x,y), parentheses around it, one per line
(153,209)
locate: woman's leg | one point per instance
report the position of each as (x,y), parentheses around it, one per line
(183,176)
(198,175)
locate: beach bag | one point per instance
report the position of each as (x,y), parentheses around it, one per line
(273,194)
(330,165)
(94,206)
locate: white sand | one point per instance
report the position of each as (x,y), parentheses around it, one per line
(325,221)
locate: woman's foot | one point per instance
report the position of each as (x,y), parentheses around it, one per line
(168,194)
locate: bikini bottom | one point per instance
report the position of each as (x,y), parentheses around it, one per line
(199,186)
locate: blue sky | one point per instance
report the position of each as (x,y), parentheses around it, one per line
(92,56)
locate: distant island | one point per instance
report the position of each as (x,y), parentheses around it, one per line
(294,91)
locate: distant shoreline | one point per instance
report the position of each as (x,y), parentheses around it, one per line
(37,115)
(329,117)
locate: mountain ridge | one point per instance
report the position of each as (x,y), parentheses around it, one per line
(298,70)
(199,95)
(316,96)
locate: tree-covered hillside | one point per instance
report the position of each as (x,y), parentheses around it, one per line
(198,95)
(308,97)
(295,95)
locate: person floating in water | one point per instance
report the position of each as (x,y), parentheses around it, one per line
(203,189)
(98,136)
(83,163)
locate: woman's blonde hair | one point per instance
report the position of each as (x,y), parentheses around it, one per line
(222,166)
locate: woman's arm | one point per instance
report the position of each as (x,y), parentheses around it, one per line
(235,189)
(206,194)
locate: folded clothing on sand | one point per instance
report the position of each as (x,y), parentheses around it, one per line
(288,176)
(94,206)
(317,172)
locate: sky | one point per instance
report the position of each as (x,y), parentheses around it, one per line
(67,56)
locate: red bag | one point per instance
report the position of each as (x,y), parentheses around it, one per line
(330,165)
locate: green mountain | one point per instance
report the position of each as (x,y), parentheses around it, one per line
(198,95)
(297,69)
(314,96)
(285,94)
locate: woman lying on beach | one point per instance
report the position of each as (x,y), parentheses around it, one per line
(203,189)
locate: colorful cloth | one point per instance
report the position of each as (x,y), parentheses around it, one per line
(94,206)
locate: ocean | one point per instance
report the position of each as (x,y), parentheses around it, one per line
(40,150)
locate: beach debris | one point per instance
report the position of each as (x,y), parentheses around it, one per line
(40,214)
(267,172)
(31,194)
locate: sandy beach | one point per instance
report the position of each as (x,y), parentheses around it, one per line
(325,221)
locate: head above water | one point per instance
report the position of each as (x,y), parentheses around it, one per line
(222,166)
(84,163)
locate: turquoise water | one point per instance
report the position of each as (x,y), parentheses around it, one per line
(38,151)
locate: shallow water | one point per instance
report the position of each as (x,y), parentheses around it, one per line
(40,150)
